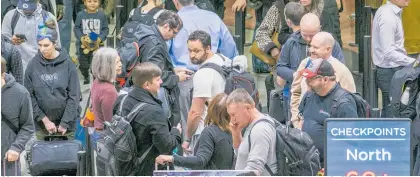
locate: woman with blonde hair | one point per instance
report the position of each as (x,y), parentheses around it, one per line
(214,150)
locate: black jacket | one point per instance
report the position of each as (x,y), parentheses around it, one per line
(55,90)
(330,20)
(153,49)
(16,108)
(150,126)
(315,109)
(214,151)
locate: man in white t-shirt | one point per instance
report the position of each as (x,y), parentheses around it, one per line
(207,83)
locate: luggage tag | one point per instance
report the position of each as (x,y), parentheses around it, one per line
(4,167)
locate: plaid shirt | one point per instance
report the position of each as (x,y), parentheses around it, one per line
(13,61)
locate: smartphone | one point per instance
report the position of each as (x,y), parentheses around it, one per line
(21,36)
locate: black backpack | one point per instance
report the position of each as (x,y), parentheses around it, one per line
(117,151)
(402,79)
(235,79)
(295,153)
(363,107)
(130,44)
(135,20)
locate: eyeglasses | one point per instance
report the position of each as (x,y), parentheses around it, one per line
(175,32)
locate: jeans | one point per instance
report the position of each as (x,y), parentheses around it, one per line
(95,137)
(269,86)
(64,25)
(383,78)
(185,103)
(85,61)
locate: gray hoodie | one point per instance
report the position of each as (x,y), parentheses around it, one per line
(27,25)
(17,108)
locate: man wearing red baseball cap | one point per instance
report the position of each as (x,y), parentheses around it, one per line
(321,48)
(317,104)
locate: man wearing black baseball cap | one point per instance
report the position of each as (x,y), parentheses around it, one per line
(317,104)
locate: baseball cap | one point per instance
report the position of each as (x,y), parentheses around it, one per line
(318,67)
(28,5)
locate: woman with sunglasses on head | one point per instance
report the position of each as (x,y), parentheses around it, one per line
(214,150)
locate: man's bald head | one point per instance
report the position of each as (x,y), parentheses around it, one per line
(321,45)
(325,38)
(309,26)
(310,20)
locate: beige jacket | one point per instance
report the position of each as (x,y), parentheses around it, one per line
(299,86)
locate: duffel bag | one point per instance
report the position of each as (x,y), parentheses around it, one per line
(54,156)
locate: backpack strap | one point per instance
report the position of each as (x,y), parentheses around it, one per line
(9,124)
(143,156)
(249,141)
(136,11)
(158,14)
(121,105)
(216,67)
(134,111)
(15,19)
(336,101)
(130,118)
(224,59)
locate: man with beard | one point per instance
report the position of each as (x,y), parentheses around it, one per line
(207,83)
(317,104)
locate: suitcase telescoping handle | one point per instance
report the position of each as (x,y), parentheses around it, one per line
(4,167)
(55,136)
(156,166)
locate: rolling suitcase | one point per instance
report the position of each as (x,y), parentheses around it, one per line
(15,169)
(54,156)
(276,110)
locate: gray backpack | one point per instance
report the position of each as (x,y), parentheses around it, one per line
(117,151)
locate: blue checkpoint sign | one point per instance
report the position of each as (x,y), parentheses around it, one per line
(368,147)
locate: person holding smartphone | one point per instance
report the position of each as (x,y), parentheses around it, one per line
(20,26)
